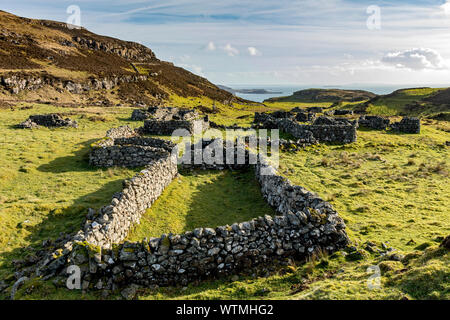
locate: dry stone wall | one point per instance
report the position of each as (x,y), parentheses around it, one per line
(52,120)
(374,122)
(337,131)
(305,224)
(159,127)
(112,223)
(122,147)
(407,125)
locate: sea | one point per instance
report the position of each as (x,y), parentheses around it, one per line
(287,90)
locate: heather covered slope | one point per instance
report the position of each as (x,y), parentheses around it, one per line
(44,60)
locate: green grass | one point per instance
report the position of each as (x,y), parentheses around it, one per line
(389,188)
(203,199)
(46,182)
(396,104)
(383,185)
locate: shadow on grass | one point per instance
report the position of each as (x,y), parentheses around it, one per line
(79,161)
(225,199)
(233,197)
(213,198)
(65,220)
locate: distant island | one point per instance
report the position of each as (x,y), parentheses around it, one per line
(325,95)
(248,91)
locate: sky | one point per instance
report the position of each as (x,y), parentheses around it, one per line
(284,42)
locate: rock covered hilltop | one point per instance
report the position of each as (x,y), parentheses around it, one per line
(44,61)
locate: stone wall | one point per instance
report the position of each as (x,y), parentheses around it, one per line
(342,112)
(407,125)
(338,133)
(164,114)
(120,132)
(168,127)
(335,130)
(139,115)
(305,224)
(52,120)
(122,147)
(374,122)
(304,116)
(112,223)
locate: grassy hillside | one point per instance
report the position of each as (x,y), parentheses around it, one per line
(423,102)
(391,189)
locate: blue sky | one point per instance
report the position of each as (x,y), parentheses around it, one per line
(304,42)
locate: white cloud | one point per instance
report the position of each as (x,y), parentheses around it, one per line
(446,7)
(253,51)
(192,68)
(231,51)
(416,59)
(210,46)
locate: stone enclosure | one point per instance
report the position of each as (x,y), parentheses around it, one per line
(331,131)
(125,148)
(328,129)
(406,125)
(306,224)
(47,120)
(163,121)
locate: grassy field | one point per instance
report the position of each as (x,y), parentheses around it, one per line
(196,199)
(391,189)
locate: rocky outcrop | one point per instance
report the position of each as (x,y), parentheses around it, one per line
(128,50)
(17,82)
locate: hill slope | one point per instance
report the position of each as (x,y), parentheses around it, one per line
(325,95)
(430,102)
(44,60)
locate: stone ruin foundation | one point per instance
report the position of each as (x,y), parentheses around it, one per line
(47,120)
(163,121)
(407,125)
(374,122)
(305,224)
(323,129)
